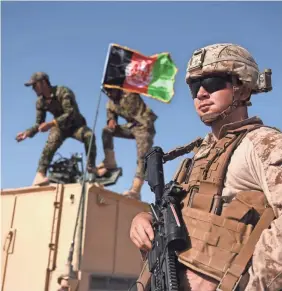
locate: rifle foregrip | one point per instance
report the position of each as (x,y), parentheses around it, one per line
(172,280)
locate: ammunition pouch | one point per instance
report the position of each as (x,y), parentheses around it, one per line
(217,239)
(222,233)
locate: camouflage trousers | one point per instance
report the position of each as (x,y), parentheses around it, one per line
(57,137)
(144,141)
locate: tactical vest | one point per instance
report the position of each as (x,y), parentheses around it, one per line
(222,239)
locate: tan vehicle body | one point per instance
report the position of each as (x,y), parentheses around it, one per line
(37,231)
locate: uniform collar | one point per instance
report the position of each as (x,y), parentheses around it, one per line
(210,139)
(53,91)
(231,126)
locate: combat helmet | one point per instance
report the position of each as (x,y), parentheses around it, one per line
(233,60)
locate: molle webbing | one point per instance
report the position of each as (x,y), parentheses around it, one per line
(222,242)
(208,173)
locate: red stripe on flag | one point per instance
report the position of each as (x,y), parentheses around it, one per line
(139,73)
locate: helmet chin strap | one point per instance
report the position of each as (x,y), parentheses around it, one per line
(209,118)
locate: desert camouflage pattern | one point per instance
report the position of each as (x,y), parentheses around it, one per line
(224,58)
(257,165)
(266,270)
(62,105)
(57,137)
(133,109)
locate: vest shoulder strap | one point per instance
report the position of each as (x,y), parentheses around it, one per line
(212,180)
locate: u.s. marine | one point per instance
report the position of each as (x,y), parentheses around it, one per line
(233,207)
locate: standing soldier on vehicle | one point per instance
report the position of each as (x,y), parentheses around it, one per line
(234,189)
(140,127)
(67,122)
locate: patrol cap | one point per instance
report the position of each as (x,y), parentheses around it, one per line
(38,76)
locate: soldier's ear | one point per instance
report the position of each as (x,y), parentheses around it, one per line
(241,92)
(245,93)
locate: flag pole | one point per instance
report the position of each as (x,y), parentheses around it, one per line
(80,211)
(105,65)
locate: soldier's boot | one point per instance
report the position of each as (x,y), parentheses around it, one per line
(109,163)
(40,180)
(135,190)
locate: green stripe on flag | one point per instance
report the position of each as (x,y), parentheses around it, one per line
(163,77)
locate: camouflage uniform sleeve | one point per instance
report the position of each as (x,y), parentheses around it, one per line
(111,114)
(265,162)
(66,97)
(40,118)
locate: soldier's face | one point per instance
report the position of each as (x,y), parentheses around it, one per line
(115,94)
(216,102)
(38,88)
(41,88)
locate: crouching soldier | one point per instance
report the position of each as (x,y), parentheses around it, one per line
(140,127)
(67,122)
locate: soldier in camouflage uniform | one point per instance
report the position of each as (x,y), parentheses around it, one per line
(222,78)
(140,127)
(67,122)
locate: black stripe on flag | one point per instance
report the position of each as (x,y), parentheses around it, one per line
(118,60)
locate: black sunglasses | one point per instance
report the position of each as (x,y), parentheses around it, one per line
(210,83)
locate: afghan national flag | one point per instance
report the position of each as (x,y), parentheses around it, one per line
(131,71)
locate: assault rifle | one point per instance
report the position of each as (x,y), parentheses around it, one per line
(169,231)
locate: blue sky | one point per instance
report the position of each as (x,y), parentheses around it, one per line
(69,41)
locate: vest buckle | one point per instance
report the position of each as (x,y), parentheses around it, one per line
(227,273)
